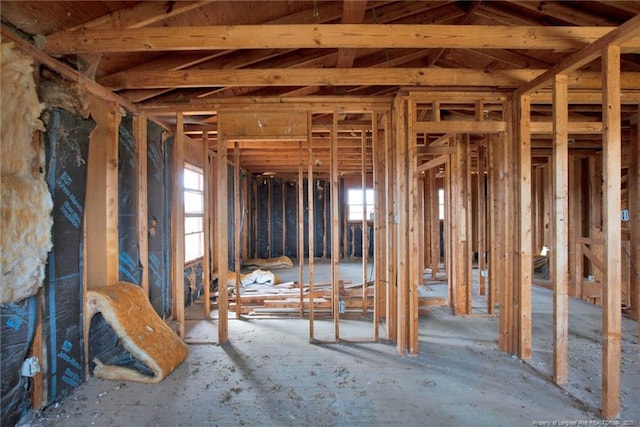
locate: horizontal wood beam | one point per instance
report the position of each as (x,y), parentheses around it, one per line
(67,72)
(318,104)
(625,32)
(574,128)
(140,15)
(319,77)
(459,126)
(586,97)
(379,36)
(440,160)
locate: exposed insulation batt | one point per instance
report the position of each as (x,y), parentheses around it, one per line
(256,276)
(126,308)
(20,112)
(281,261)
(26,235)
(25,201)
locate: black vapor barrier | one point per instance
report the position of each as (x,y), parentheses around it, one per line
(105,345)
(67,153)
(128,252)
(291,219)
(159,152)
(276,232)
(193,286)
(17,329)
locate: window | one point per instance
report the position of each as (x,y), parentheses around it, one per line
(355,205)
(441,203)
(193,213)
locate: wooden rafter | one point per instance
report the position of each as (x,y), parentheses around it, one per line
(325,36)
(141,14)
(352,13)
(625,32)
(345,77)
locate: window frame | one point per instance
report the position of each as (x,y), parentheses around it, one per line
(369,208)
(197,190)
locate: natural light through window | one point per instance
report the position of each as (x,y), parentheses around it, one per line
(355,203)
(193,213)
(441,204)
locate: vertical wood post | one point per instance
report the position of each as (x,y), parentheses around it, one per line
(482,222)
(611,290)
(391,210)
(494,221)
(526,240)
(434,213)
(335,225)
(379,227)
(206,224)
(634,222)
(101,207)
(300,220)
(177,226)
(575,222)
(142,210)
(222,237)
(236,222)
(311,221)
(414,219)
(402,248)
(560,250)
(365,222)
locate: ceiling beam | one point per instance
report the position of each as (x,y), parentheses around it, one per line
(352,13)
(564,11)
(346,77)
(464,21)
(324,36)
(140,15)
(625,32)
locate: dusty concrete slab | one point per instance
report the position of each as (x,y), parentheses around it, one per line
(270,375)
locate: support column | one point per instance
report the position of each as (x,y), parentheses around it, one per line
(177,227)
(526,240)
(142,210)
(236,223)
(634,222)
(206,226)
(310,209)
(611,290)
(222,238)
(101,207)
(300,220)
(560,249)
(335,225)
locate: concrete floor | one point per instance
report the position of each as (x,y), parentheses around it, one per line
(269,374)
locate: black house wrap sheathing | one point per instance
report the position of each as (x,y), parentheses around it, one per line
(291,219)
(128,251)
(67,147)
(269,233)
(159,151)
(18,323)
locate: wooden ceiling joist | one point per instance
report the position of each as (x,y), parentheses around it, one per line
(325,36)
(621,35)
(346,77)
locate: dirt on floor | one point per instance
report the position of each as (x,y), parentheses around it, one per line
(269,374)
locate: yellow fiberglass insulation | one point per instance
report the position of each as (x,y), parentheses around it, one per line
(20,112)
(26,235)
(25,204)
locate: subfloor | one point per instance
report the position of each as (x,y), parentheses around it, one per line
(270,375)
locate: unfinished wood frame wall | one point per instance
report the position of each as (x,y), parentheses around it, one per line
(177,228)
(406,237)
(633,188)
(101,212)
(608,48)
